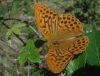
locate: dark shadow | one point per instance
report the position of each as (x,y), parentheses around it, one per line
(39,43)
(88,71)
(48,73)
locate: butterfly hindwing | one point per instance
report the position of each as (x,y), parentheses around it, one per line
(79,45)
(58,58)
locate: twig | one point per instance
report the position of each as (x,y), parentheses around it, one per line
(34,30)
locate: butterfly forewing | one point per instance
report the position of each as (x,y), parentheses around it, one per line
(68,27)
(47,21)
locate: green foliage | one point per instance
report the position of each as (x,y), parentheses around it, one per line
(93,50)
(85,10)
(30,52)
(30,10)
(15,74)
(5,10)
(76,64)
(28,1)
(15,29)
(36,73)
(27,31)
(15,6)
(63,3)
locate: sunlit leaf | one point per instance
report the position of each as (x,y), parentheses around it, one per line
(16,31)
(9,32)
(18,25)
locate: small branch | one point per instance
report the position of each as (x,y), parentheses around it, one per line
(35,31)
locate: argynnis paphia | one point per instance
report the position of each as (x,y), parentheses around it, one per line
(64,35)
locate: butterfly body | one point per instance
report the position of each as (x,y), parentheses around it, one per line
(64,35)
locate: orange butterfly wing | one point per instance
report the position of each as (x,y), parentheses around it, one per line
(69,27)
(58,58)
(47,21)
(62,32)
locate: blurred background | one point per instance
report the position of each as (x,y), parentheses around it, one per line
(18,26)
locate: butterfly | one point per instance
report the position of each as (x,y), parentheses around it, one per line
(64,35)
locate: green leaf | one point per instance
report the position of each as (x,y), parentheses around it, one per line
(30,53)
(76,64)
(30,10)
(18,25)
(28,1)
(16,31)
(9,32)
(93,49)
(36,73)
(15,6)
(8,4)
(23,57)
(15,74)
(30,46)
(27,30)
(5,10)
(22,7)
(34,55)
